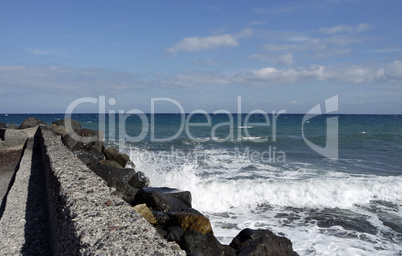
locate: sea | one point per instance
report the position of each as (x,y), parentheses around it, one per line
(332,184)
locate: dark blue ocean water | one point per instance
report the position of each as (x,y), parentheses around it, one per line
(262,171)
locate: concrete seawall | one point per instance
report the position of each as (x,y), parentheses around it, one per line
(58,206)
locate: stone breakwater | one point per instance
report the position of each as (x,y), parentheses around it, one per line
(98,204)
(83,217)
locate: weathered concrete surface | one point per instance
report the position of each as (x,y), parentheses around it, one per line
(13,221)
(86,219)
(11,145)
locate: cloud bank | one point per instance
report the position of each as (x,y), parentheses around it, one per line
(89,81)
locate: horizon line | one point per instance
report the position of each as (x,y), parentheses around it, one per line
(187,113)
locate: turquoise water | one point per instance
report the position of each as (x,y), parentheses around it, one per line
(258,171)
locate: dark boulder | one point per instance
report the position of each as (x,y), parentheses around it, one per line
(261,242)
(121,158)
(58,130)
(161,217)
(128,191)
(3,125)
(31,122)
(139,180)
(184,196)
(158,201)
(111,153)
(195,243)
(99,146)
(80,139)
(111,174)
(89,157)
(174,234)
(110,163)
(74,125)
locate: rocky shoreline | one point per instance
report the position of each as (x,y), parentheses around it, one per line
(169,210)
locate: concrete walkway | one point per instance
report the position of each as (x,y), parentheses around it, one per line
(24,226)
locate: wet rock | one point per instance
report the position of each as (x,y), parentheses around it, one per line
(195,243)
(75,125)
(261,242)
(112,174)
(158,201)
(188,221)
(145,212)
(3,125)
(139,180)
(31,122)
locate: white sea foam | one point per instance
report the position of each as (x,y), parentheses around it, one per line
(251,138)
(240,194)
(239,187)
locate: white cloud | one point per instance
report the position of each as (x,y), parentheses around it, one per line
(60,80)
(391,72)
(317,47)
(345,29)
(345,73)
(271,76)
(191,44)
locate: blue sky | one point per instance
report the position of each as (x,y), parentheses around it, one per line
(276,55)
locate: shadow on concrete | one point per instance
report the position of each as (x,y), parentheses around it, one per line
(38,240)
(17,166)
